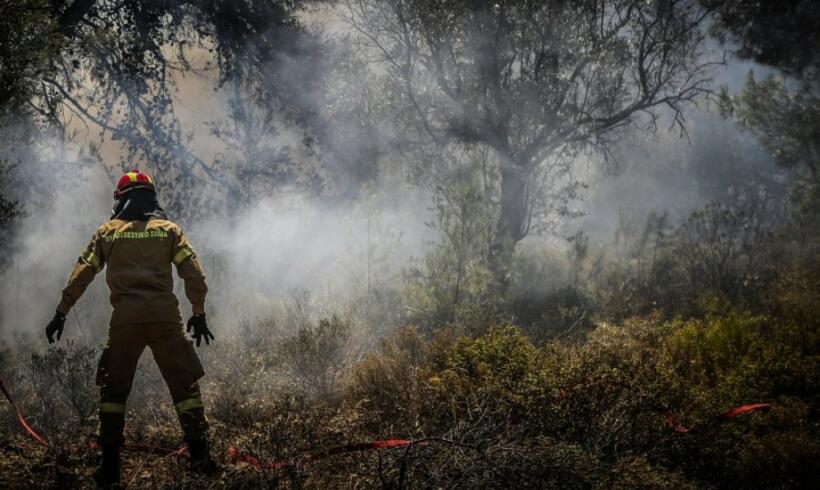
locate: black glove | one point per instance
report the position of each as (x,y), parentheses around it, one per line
(200,326)
(55,325)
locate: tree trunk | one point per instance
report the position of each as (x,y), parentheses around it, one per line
(512,220)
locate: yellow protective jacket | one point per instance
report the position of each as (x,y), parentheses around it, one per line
(137,256)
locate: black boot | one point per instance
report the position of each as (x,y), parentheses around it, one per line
(107,474)
(201,461)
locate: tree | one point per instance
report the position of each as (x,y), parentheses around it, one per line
(784,113)
(8,212)
(787,122)
(111,66)
(452,281)
(536,82)
(779,34)
(24,46)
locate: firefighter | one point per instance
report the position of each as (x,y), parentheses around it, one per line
(137,247)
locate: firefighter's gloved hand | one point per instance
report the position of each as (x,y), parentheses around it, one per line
(55,326)
(200,327)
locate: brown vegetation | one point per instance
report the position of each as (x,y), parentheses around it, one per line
(495,406)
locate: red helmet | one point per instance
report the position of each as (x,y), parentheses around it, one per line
(133,180)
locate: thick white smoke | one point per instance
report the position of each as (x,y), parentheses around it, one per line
(280,246)
(260,256)
(47,242)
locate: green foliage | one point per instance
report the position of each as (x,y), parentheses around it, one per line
(502,357)
(739,356)
(785,116)
(27,45)
(594,412)
(785,120)
(721,354)
(454,281)
(773,33)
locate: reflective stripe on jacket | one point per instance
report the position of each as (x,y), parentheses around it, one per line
(137,256)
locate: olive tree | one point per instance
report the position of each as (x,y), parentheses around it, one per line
(782,110)
(536,82)
(113,67)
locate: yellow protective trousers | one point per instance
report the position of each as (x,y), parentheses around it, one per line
(180,367)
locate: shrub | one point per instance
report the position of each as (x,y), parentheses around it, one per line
(315,355)
(388,386)
(64,397)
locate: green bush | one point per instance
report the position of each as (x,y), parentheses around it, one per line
(595,414)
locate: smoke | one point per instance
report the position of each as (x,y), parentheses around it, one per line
(338,249)
(46,243)
(254,259)
(674,174)
(279,246)
(668,171)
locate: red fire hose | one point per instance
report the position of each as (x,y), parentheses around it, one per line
(20,417)
(236,456)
